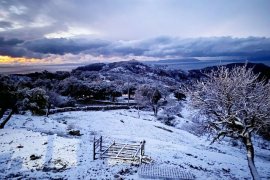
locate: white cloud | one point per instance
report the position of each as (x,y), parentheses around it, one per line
(72,32)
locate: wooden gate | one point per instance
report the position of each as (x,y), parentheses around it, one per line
(129,152)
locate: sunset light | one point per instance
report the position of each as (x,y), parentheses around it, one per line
(17,60)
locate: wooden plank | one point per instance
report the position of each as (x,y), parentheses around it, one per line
(120,150)
(114,150)
(97,140)
(136,152)
(125,150)
(122,154)
(122,158)
(108,148)
(127,144)
(111,153)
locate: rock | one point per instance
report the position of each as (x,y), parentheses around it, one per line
(226,170)
(124,171)
(116,176)
(75,133)
(20,146)
(34,157)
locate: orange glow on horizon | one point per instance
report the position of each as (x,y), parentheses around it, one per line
(17,60)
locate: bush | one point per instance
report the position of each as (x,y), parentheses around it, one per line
(179,95)
(167,119)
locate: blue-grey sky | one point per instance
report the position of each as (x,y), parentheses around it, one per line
(58,31)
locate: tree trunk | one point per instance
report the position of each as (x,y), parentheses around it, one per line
(138,112)
(2,111)
(48,110)
(250,156)
(155,109)
(128,93)
(2,125)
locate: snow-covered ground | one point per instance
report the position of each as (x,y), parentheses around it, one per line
(60,155)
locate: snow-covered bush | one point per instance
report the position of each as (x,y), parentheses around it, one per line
(196,126)
(35,100)
(38,100)
(169,112)
(179,95)
(166,119)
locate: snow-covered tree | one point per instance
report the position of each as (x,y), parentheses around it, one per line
(236,105)
(12,99)
(147,95)
(8,99)
(113,91)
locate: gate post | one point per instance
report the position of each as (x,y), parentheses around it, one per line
(100,144)
(141,150)
(143,146)
(94,149)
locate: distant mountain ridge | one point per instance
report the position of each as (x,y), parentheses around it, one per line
(172,61)
(193,63)
(144,70)
(261,68)
(135,68)
(135,71)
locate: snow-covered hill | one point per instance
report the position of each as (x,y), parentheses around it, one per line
(56,154)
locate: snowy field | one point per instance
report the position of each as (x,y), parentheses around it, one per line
(40,147)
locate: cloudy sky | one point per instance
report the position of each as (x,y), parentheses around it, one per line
(85,31)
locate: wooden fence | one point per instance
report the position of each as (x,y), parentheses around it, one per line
(89,108)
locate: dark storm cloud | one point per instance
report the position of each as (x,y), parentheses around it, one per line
(167,47)
(10,42)
(160,47)
(62,45)
(5,24)
(10,47)
(30,33)
(14,48)
(208,47)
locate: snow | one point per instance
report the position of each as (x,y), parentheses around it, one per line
(70,157)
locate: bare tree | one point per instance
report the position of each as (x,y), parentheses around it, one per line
(236,104)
